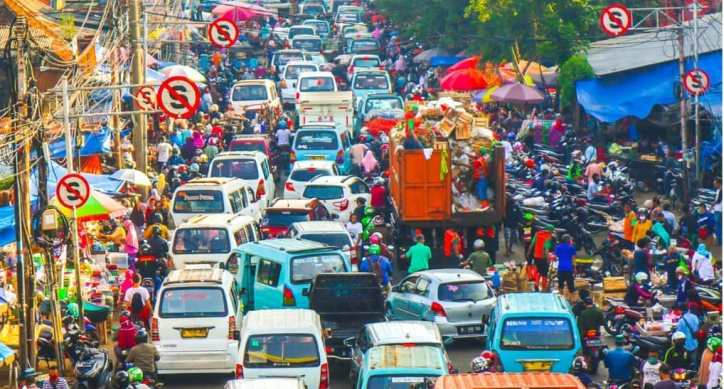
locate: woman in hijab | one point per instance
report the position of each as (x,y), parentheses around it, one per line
(369,162)
(701,264)
(126,284)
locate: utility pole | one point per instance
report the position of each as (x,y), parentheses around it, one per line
(697,129)
(682,105)
(116,107)
(138,77)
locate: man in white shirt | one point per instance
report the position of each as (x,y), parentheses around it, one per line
(163,150)
(354,227)
(283,135)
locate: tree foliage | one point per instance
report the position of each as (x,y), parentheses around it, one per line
(574,69)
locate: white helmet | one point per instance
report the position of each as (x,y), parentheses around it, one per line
(641,276)
(678,335)
(479,244)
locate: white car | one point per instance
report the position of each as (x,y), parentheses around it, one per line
(338,193)
(252,167)
(289,77)
(363,62)
(302,172)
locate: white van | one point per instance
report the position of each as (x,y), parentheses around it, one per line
(210,239)
(250,95)
(209,196)
(283,343)
(252,167)
(194,324)
(266,383)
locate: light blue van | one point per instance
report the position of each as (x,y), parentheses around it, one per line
(533,332)
(367,82)
(322,142)
(277,273)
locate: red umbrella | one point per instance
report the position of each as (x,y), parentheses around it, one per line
(238,15)
(464,80)
(467,63)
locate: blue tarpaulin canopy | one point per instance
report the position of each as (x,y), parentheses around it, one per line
(445,60)
(93,144)
(636,92)
(7,225)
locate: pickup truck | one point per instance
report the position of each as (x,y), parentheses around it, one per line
(319,100)
(377,105)
(346,302)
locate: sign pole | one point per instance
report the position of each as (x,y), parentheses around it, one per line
(697,130)
(76,265)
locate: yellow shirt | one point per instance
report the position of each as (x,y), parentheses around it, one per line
(640,230)
(161,183)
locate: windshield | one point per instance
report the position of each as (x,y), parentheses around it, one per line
(316,140)
(201,241)
(323,192)
(247,146)
(371,62)
(285,218)
(307,44)
(401,382)
(193,302)
(281,350)
(245,169)
(407,356)
(249,93)
(348,17)
(305,268)
(313,9)
(316,84)
(198,201)
(304,175)
(463,291)
(337,240)
(371,81)
(293,71)
(383,104)
(321,27)
(284,58)
(366,44)
(537,334)
(300,31)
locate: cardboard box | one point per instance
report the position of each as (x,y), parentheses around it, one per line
(581,284)
(614,284)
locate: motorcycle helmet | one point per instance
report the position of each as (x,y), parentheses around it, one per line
(678,337)
(479,244)
(282,124)
(122,378)
(579,364)
(713,343)
(511,136)
(682,270)
(528,216)
(369,211)
(375,249)
(375,238)
(477,365)
(641,277)
(135,375)
(194,168)
(141,336)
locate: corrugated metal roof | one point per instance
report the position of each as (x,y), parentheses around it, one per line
(632,51)
(509,380)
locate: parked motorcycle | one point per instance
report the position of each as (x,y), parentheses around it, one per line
(620,318)
(92,367)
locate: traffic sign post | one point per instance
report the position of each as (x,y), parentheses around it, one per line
(615,19)
(178,97)
(146,98)
(696,82)
(223,33)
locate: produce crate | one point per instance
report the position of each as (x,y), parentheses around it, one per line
(581,284)
(614,284)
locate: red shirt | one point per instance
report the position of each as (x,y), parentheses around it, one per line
(377,196)
(480,168)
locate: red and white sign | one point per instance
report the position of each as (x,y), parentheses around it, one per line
(223,33)
(615,19)
(146,98)
(178,97)
(72,190)
(697,81)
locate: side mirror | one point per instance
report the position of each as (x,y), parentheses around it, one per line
(448,340)
(305,292)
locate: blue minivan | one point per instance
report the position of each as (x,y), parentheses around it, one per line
(533,332)
(277,273)
(322,142)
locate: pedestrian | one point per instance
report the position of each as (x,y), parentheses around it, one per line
(665,381)
(131,244)
(479,260)
(629,221)
(710,364)
(689,325)
(354,228)
(55,381)
(540,246)
(716,208)
(511,224)
(565,251)
(27,379)
(650,369)
(163,150)
(684,289)
(419,255)
(452,249)
(701,266)
(379,265)
(620,362)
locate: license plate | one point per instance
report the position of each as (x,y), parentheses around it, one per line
(537,365)
(317,157)
(594,343)
(190,333)
(467,330)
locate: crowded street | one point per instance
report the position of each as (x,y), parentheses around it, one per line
(361,194)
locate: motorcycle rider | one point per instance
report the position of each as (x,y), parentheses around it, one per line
(486,362)
(579,369)
(676,356)
(590,318)
(620,362)
(479,260)
(55,381)
(378,264)
(156,267)
(125,337)
(27,379)
(711,364)
(144,355)
(638,291)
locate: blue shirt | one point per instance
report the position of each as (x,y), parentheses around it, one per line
(565,253)
(620,364)
(689,324)
(385,266)
(589,154)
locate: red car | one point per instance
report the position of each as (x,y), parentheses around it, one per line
(251,143)
(280,214)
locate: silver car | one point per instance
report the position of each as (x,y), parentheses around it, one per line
(455,299)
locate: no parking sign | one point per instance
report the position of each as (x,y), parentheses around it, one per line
(223,33)
(615,19)
(696,82)
(178,97)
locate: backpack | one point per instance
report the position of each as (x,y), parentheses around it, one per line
(137,303)
(377,269)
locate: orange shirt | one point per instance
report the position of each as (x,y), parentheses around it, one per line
(628,225)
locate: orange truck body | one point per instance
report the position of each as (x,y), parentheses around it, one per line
(509,381)
(422,199)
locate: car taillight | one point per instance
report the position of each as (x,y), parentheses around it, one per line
(296,96)
(239,370)
(324,376)
(292,157)
(341,205)
(289,186)
(340,157)
(350,70)
(437,309)
(382,67)
(289,299)
(353,256)
(155,336)
(328,349)
(591,334)
(260,191)
(232,327)
(620,310)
